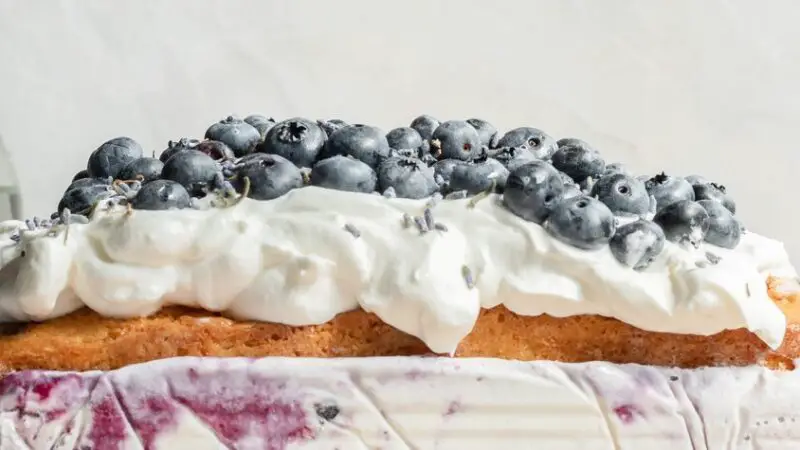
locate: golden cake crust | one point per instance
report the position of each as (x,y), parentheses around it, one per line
(86,341)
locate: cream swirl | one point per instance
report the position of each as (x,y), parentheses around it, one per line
(314,253)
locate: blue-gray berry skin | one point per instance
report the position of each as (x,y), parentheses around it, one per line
(146,169)
(425,126)
(617,168)
(486,132)
(479,176)
(298,140)
(87,182)
(696,180)
(331,125)
(723,228)
(160,195)
(112,156)
(363,142)
(541,144)
(260,123)
(512,157)
(532,190)
(575,142)
(217,150)
(715,192)
(404,138)
(81,175)
(578,162)
(637,244)
(174,147)
(667,190)
(684,222)
(409,177)
(582,222)
(270,176)
(456,139)
(240,136)
(194,170)
(344,173)
(623,194)
(443,169)
(81,196)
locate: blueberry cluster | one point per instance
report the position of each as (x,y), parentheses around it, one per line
(564,185)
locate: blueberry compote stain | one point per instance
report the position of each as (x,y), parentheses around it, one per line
(627,413)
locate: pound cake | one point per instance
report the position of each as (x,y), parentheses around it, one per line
(321,285)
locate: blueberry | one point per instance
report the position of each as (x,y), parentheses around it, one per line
(532,190)
(578,162)
(217,150)
(622,194)
(174,147)
(260,123)
(637,244)
(331,125)
(270,176)
(696,180)
(617,168)
(194,170)
(684,222)
(667,190)
(716,192)
(404,138)
(723,228)
(456,139)
(486,132)
(362,142)
(443,170)
(425,126)
(409,177)
(112,156)
(540,143)
(237,134)
(88,182)
(575,142)
(298,140)
(582,222)
(513,157)
(478,176)
(161,195)
(148,169)
(344,173)
(81,175)
(80,198)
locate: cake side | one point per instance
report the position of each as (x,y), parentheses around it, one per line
(399,403)
(85,340)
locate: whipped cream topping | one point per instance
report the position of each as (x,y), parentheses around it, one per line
(305,257)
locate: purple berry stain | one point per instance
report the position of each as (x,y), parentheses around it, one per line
(627,413)
(453,408)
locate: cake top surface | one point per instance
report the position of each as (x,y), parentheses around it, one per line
(281,223)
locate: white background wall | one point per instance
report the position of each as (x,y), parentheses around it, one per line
(705,87)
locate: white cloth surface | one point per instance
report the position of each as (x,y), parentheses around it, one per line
(683,86)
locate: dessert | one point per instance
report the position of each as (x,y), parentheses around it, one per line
(533,261)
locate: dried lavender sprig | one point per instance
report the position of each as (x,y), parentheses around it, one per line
(469,279)
(428,216)
(350,228)
(422,226)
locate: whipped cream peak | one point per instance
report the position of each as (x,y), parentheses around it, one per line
(313,253)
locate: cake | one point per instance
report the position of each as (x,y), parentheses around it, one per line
(319,285)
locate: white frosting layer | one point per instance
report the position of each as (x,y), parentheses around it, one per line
(293,261)
(400,404)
